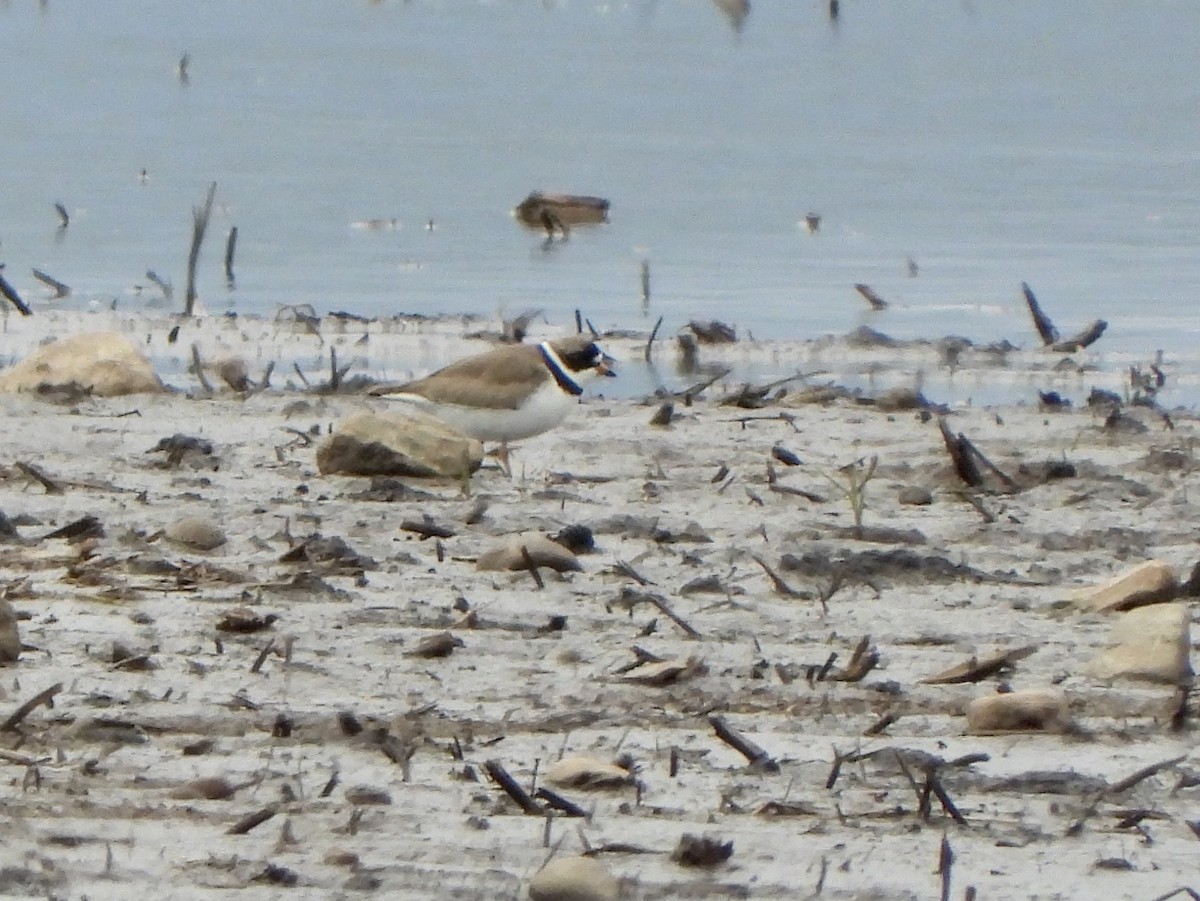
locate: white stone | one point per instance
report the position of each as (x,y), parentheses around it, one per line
(1150,643)
(105,363)
(574,879)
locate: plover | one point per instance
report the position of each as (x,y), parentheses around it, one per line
(507,393)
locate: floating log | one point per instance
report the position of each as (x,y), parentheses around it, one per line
(544,211)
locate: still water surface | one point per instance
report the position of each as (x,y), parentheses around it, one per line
(992,141)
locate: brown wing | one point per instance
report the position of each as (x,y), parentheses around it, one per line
(498,379)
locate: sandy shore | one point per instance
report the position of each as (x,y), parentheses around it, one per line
(103,799)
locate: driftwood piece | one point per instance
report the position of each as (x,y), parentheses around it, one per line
(495,769)
(558,802)
(426,528)
(864,659)
(967,458)
(755,756)
(1088,336)
(248,822)
(974,669)
(712,332)
(1045,328)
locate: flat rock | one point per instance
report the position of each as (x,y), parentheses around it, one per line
(914,496)
(411,443)
(1151,644)
(574,879)
(105,364)
(1031,710)
(1152,582)
(587,772)
(543,552)
(196,532)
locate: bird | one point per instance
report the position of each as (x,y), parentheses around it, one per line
(510,392)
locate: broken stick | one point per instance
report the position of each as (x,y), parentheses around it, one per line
(756,756)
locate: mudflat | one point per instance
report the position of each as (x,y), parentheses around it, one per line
(251,675)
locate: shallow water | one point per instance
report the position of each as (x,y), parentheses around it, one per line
(992,142)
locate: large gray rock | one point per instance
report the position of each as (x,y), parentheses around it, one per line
(1150,643)
(398,444)
(104,363)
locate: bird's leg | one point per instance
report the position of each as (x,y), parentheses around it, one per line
(502,456)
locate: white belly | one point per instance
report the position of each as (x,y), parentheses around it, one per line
(544,409)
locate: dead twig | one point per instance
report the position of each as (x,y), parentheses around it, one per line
(46,696)
(33,472)
(781,587)
(1145,772)
(660,603)
(248,822)
(531,565)
(197,369)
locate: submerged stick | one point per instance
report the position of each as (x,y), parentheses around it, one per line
(871,296)
(13,297)
(60,290)
(1045,328)
(168,291)
(200,217)
(230,246)
(653,335)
